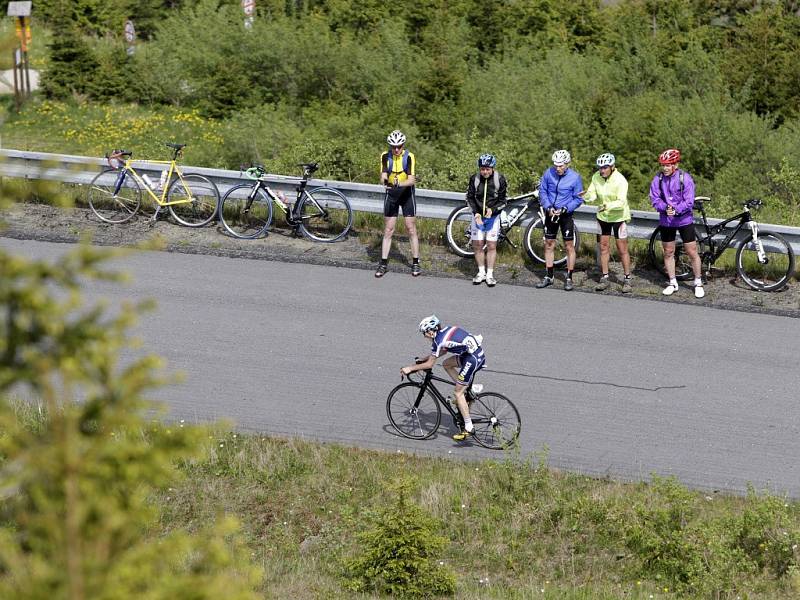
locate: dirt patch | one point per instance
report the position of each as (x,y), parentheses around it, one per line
(361,251)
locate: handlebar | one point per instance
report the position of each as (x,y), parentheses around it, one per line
(754,203)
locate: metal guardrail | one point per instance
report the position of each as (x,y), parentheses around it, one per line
(363,197)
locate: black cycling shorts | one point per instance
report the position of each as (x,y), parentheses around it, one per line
(619,229)
(564,222)
(686,231)
(397,198)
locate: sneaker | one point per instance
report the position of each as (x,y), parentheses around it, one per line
(699,292)
(479,278)
(545,282)
(669,290)
(462,435)
(381,270)
(626,286)
(491,281)
(603,285)
(568,287)
(416,270)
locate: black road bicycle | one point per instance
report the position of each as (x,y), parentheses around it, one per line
(414,410)
(321,214)
(763,259)
(517,208)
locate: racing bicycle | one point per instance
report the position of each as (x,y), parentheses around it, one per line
(115,194)
(763,259)
(517,208)
(414,409)
(321,214)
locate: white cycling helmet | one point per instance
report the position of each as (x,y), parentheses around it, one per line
(429,324)
(561,157)
(606,160)
(396,138)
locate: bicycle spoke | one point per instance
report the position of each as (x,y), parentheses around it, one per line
(111,207)
(243,216)
(766,265)
(193,200)
(411,414)
(496,420)
(324,215)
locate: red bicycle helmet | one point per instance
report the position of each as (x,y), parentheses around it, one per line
(670,157)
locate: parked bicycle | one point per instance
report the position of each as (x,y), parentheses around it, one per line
(414,410)
(321,214)
(517,208)
(763,259)
(115,195)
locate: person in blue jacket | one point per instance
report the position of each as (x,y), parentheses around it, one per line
(560,192)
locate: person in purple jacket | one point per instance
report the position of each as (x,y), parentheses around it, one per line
(560,193)
(672,195)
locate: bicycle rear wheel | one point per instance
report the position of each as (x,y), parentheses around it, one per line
(457,230)
(496,421)
(683,264)
(534,244)
(772,272)
(110,205)
(413,411)
(196,199)
(245,214)
(324,215)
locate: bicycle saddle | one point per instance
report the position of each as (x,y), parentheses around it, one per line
(175,146)
(310,167)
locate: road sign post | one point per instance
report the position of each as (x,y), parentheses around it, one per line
(249,9)
(21,11)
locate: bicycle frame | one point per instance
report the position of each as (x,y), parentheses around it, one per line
(504,229)
(173,169)
(289,210)
(427,384)
(717,248)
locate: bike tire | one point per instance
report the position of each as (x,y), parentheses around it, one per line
(324,215)
(457,231)
(683,264)
(496,421)
(198,199)
(413,412)
(772,275)
(534,244)
(244,215)
(110,207)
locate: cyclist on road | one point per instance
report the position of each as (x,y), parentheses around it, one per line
(486,197)
(610,188)
(467,360)
(672,195)
(560,193)
(398,176)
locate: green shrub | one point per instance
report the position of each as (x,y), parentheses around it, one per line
(399,553)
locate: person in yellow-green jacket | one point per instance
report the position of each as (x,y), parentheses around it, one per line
(610,189)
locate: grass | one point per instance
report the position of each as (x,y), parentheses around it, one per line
(515,529)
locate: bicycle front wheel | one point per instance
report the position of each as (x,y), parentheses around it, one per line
(766,265)
(246,213)
(457,231)
(110,204)
(496,421)
(324,215)
(413,411)
(196,199)
(534,244)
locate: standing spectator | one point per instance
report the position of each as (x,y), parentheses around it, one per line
(486,197)
(560,193)
(610,188)
(397,175)
(672,195)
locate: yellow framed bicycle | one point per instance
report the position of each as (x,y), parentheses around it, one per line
(115,195)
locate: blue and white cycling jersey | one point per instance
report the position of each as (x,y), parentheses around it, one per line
(457,341)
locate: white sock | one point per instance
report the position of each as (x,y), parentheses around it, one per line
(699,282)
(489,272)
(673,282)
(481,270)
(468,425)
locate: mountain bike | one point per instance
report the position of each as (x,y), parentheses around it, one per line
(458,224)
(414,409)
(763,259)
(321,214)
(115,194)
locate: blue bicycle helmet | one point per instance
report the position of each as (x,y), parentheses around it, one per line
(487,160)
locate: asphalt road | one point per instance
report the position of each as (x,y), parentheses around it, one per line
(610,386)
